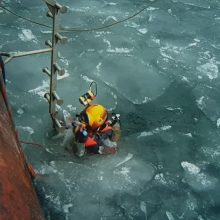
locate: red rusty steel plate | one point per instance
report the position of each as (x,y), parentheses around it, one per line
(18,200)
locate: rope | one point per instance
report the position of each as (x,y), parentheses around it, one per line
(32,143)
(66,29)
(26,19)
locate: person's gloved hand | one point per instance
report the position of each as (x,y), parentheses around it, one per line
(115,118)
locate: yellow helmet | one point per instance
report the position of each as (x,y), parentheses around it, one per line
(96,116)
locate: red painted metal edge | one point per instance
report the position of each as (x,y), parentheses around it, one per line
(18,200)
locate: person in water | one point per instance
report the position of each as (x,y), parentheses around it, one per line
(95,132)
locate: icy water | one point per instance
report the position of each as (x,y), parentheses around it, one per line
(160,71)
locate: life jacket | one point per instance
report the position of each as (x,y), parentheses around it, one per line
(94,138)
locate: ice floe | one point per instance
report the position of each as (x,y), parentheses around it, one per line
(27,35)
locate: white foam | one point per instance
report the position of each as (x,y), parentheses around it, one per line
(41,90)
(190,167)
(110,18)
(155,131)
(174,109)
(66,74)
(108,43)
(133,25)
(157,41)
(160,178)
(146,99)
(210,69)
(71,108)
(86,78)
(98,67)
(119,50)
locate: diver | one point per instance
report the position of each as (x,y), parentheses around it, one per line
(95,131)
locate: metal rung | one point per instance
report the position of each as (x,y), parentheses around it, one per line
(59,101)
(63,9)
(47,96)
(60,71)
(47,71)
(59,127)
(57,123)
(48,43)
(49,14)
(61,38)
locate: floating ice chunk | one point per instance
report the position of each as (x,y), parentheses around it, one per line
(185,79)
(128,157)
(160,178)
(189,167)
(27,35)
(146,99)
(143,207)
(143,30)
(155,40)
(110,18)
(169,215)
(169,11)
(20,111)
(200,103)
(144,134)
(107,42)
(45,32)
(151,8)
(192,45)
(191,205)
(133,25)
(188,135)
(112,3)
(166,127)
(26,129)
(218,122)
(174,109)
(197,180)
(66,207)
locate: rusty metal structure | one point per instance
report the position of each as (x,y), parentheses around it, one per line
(18,199)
